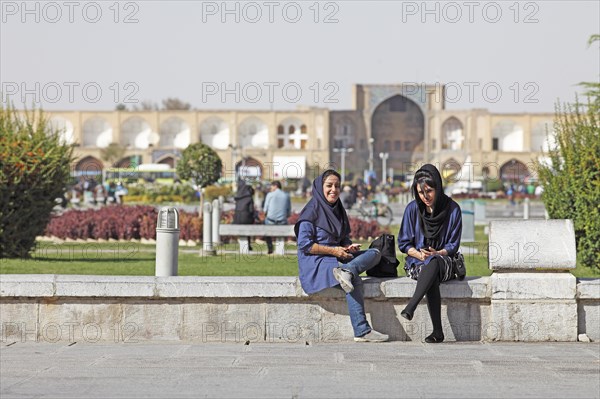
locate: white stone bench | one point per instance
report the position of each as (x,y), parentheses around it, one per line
(243,231)
(530,284)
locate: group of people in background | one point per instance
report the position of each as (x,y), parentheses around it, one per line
(276,205)
(88,190)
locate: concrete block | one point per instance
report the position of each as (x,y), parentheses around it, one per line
(82,321)
(18,320)
(144,320)
(588,289)
(469,288)
(104,286)
(226,287)
(533,286)
(385,318)
(372,287)
(296,322)
(223,322)
(588,319)
(27,285)
(532,244)
(402,287)
(461,321)
(532,321)
(336,321)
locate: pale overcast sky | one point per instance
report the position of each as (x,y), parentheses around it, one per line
(506,56)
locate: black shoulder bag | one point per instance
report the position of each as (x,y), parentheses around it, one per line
(388,265)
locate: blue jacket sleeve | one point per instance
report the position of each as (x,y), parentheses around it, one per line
(454,231)
(307,235)
(406,235)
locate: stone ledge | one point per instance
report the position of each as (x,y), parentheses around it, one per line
(533,286)
(469,288)
(588,288)
(27,285)
(215,287)
(104,286)
(226,287)
(506,286)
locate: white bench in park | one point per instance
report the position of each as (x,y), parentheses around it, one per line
(243,231)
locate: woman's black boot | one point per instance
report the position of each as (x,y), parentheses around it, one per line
(434,339)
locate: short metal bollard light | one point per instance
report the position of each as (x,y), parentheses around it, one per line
(167,242)
(216,220)
(207,245)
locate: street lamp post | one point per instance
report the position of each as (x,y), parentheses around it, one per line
(343,152)
(371,141)
(384,156)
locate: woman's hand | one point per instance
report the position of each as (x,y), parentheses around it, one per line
(427,252)
(352,248)
(424,253)
(338,252)
(342,253)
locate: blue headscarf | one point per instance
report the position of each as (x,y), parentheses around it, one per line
(330,217)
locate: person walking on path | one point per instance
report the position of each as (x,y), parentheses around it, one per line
(430,235)
(328,258)
(244,212)
(277,208)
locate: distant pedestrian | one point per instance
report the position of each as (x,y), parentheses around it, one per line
(244,206)
(346,197)
(277,208)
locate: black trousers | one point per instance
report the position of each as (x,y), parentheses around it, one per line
(429,283)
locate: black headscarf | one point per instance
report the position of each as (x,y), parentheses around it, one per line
(330,217)
(244,204)
(432,223)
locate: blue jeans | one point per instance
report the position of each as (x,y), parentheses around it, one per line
(362,261)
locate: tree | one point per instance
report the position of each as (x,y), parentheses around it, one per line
(201,164)
(593,88)
(175,104)
(146,105)
(112,153)
(34,171)
(571,180)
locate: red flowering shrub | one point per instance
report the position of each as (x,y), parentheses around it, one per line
(117,222)
(135,222)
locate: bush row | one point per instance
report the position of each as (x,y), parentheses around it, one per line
(136,222)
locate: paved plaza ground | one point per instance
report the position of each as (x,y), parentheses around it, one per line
(300,370)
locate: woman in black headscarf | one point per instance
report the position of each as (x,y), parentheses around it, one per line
(430,236)
(244,205)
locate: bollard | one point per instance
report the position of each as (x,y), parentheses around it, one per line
(216,220)
(526,208)
(167,242)
(207,245)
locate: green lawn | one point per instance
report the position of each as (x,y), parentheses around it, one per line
(139,259)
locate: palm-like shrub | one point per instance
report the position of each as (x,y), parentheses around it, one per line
(34,171)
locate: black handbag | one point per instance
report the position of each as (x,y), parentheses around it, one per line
(458,264)
(388,265)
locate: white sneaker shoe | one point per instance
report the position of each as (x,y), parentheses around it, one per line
(373,336)
(344,277)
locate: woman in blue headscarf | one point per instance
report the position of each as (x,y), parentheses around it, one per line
(430,236)
(326,256)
